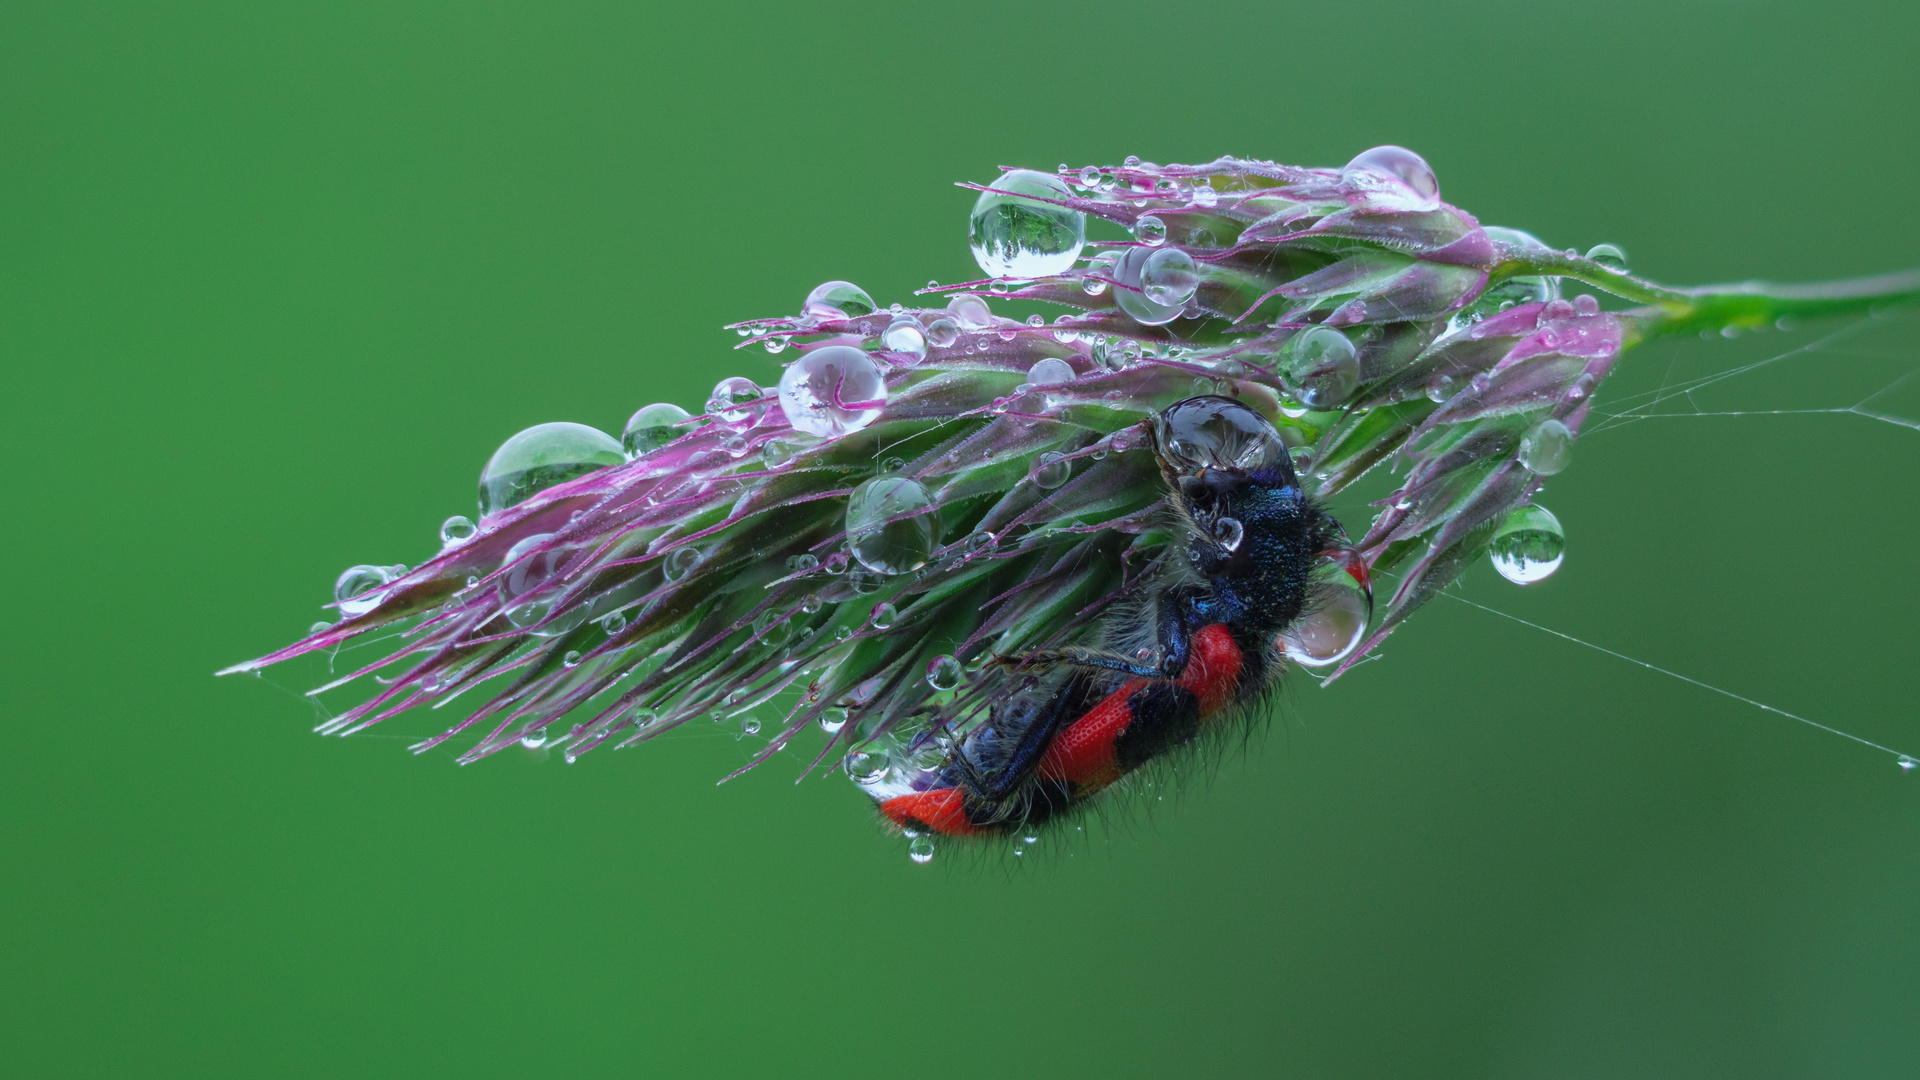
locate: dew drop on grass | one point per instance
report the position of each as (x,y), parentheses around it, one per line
(943,672)
(1610,256)
(534,739)
(832,391)
(942,333)
(1050,372)
(357,589)
(732,400)
(1169,277)
(680,562)
(883,616)
(1130,295)
(542,456)
(921,850)
(457,529)
(970,311)
(1150,230)
(1051,470)
(892,525)
(838,300)
(1547,448)
(653,427)
(1015,234)
(906,340)
(1395,178)
(1324,364)
(1528,546)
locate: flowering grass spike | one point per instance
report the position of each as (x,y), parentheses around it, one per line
(1004,563)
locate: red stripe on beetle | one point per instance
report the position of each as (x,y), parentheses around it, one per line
(1214,663)
(943,810)
(1083,752)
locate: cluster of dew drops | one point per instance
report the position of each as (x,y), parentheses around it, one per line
(830,391)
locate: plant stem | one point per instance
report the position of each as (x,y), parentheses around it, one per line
(1745,305)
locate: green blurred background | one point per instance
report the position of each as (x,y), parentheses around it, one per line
(274,282)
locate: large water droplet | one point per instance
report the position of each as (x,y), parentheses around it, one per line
(1547,448)
(1050,372)
(1339,606)
(943,672)
(457,529)
(1218,432)
(732,400)
(1325,366)
(1395,178)
(529,590)
(921,849)
(892,546)
(1169,277)
(1610,256)
(539,458)
(1150,231)
(357,589)
(1528,546)
(680,562)
(1015,236)
(942,333)
(1051,470)
(905,339)
(883,616)
(1131,297)
(655,426)
(832,390)
(837,300)
(970,311)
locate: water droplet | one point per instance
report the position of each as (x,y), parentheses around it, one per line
(942,333)
(1131,298)
(655,426)
(1335,622)
(319,627)
(539,458)
(531,587)
(1907,764)
(773,628)
(905,339)
(680,562)
(883,616)
(970,311)
(1050,372)
(1610,256)
(800,564)
(1228,532)
(1528,546)
(832,391)
(1547,448)
(892,525)
(779,451)
(1169,277)
(1218,432)
(893,465)
(1016,235)
(750,725)
(356,590)
(613,624)
(1394,178)
(1150,230)
(943,672)
(811,603)
(1440,388)
(457,529)
(1051,470)
(1586,304)
(732,400)
(921,850)
(1324,364)
(838,300)
(571,659)
(833,720)
(534,738)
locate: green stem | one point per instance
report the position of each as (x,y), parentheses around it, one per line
(1745,305)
